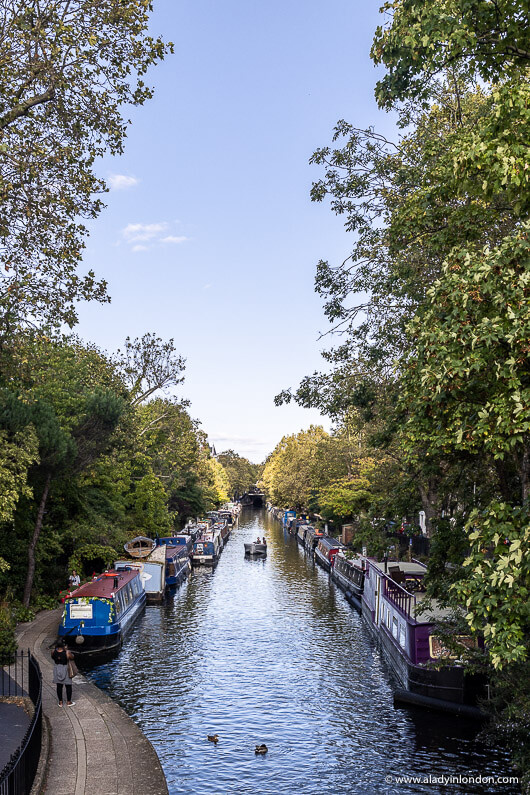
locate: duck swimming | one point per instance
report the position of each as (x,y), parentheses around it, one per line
(213,738)
(261,749)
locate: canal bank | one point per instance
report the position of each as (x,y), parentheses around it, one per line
(269,651)
(94,747)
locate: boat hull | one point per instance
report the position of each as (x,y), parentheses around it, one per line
(255,549)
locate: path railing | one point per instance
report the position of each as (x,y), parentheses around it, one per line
(21,679)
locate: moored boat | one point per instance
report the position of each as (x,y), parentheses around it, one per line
(139,547)
(349,576)
(207,548)
(152,573)
(312,537)
(178,564)
(325,551)
(391,599)
(98,615)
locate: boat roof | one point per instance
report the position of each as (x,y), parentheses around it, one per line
(331,543)
(401,565)
(177,551)
(103,587)
(158,555)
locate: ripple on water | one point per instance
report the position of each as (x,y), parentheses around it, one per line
(270,651)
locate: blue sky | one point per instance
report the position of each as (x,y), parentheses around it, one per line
(209,235)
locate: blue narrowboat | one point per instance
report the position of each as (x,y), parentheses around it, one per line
(289,518)
(98,615)
(207,548)
(180,540)
(178,564)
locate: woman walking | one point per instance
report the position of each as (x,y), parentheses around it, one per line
(60,657)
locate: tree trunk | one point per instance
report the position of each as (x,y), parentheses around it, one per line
(33,543)
(429,500)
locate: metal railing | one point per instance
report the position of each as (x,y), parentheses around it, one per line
(22,678)
(400,597)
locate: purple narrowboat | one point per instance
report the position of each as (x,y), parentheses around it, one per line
(392,594)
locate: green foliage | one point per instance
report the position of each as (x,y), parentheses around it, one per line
(88,555)
(21,614)
(8,644)
(510,715)
(150,506)
(496,589)
(425,37)
(67,70)
(242,475)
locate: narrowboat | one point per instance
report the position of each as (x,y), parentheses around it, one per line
(178,564)
(391,598)
(300,532)
(288,518)
(206,549)
(325,551)
(152,573)
(349,576)
(98,615)
(312,537)
(180,540)
(224,530)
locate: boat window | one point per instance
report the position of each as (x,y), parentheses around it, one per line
(388,618)
(395,627)
(117,604)
(402,636)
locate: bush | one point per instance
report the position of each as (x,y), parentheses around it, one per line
(22,614)
(8,644)
(44,602)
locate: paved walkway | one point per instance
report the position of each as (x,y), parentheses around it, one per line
(96,749)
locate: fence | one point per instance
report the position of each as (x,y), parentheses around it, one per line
(22,678)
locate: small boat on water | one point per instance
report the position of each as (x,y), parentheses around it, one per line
(255,549)
(139,547)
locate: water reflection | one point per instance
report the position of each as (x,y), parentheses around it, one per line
(267,650)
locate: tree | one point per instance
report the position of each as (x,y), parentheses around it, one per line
(425,37)
(242,475)
(67,69)
(289,474)
(147,365)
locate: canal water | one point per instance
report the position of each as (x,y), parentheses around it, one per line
(269,651)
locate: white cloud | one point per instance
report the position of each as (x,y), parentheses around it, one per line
(121,182)
(174,239)
(207,286)
(136,233)
(140,248)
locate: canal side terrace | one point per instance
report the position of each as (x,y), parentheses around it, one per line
(94,746)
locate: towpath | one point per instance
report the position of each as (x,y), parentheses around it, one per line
(95,747)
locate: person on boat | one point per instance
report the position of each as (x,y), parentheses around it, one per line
(60,657)
(74,579)
(264,542)
(258,540)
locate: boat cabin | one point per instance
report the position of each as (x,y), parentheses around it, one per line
(326,549)
(97,615)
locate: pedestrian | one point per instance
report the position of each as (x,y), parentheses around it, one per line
(60,657)
(74,579)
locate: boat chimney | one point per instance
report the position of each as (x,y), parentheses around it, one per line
(385,560)
(115,583)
